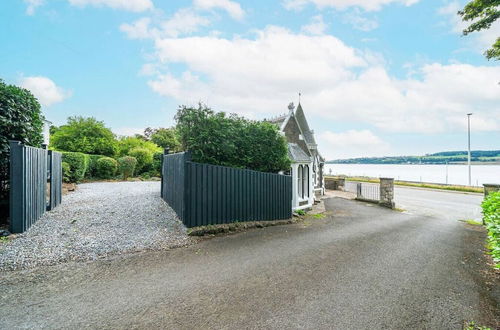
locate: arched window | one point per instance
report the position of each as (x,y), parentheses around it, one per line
(299,181)
(305,179)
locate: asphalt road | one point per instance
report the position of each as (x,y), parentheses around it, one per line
(438,203)
(363,267)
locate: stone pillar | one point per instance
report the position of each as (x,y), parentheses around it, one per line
(341,184)
(387,192)
(489,188)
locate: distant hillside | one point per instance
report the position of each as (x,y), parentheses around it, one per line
(444,157)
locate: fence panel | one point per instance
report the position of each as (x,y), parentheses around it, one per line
(55,179)
(30,168)
(204,194)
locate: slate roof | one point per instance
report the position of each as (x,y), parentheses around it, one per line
(278,120)
(301,119)
(296,154)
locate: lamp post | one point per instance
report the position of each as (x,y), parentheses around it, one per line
(468,153)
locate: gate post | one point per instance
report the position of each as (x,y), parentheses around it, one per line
(387,192)
(165,152)
(16,202)
(359,191)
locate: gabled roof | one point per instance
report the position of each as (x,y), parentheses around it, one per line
(279,120)
(301,120)
(296,153)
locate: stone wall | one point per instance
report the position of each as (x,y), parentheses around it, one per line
(387,192)
(489,188)
(334,183)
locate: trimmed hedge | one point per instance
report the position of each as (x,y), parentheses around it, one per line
(144,159)
(66,169)
(157,161)
(78,164)
(106,167)
(491,217)
(92,169)
(127,166)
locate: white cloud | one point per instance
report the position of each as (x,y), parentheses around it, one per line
(352,143)
(360,22)
(480,41)
(32,5)
(45,90)
(184,21)
(258,76)
(316,27)
(233,8)
(129,5)
(368,5)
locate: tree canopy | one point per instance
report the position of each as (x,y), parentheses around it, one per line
(166,138)
(482,13)
(87,135)
(229,140)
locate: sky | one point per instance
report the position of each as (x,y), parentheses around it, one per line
(376,77)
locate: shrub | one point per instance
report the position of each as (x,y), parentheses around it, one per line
(106,167)
(92,168)
(491,217)
(157,161)
(66,170)
(78,163)
(144,159)
(127,166)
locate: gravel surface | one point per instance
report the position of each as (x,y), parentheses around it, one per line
(97,220)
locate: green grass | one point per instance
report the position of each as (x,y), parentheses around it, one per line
(420,185)
(472,222)
(318,215)
(471,325)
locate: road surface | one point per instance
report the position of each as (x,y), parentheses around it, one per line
(362,267)
(439,203)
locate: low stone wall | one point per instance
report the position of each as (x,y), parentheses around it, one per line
(489,188)
(334,183)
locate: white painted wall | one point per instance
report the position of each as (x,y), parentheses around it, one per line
(296,199)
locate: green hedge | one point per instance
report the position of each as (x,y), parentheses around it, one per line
(106,168)
(92,170)
(491,216)
(78,164)
(127,166)
(66,170)
(144,159)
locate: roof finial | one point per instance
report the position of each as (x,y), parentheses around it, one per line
(299,96)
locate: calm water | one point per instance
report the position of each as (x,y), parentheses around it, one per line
(457,174)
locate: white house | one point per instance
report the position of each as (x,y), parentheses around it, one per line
(307,162)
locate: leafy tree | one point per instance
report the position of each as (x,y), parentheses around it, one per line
(87,135)
(166,138)
(483,13)
(20,119)
(127,143)
(219,139)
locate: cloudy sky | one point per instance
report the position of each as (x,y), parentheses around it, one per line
(377,77)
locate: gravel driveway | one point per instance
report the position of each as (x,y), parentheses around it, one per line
(97,220)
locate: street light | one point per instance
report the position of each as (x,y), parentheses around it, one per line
(468,153)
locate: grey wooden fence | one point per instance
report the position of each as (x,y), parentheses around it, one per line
(203,194)
(30,168)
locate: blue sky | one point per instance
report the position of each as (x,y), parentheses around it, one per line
(378,77)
